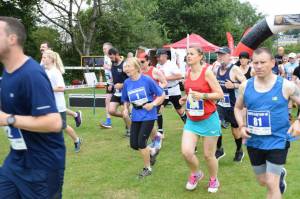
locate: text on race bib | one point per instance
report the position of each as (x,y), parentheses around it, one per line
(259,122)
(15,138)
(138,96)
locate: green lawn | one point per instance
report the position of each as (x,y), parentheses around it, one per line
(106,167)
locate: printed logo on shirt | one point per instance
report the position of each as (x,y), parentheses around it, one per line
(275,98)
(120,70)
(11,95)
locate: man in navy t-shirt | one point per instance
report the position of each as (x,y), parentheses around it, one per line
(34,167)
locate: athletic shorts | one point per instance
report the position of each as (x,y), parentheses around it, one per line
(260,159)
(139,133)
(208,127)
(227,114)
(174,100)
(64,119)
(116,99)
(31,183)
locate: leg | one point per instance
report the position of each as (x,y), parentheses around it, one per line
(8,188)
(70,131)
(160,119)
(107,101)
(71,113)
(209,148)
(272,182)
(113,109)
(188,144)
(134,135)
(179,109)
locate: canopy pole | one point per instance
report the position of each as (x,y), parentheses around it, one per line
(188,41)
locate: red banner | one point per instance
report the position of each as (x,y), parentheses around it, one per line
(230,42)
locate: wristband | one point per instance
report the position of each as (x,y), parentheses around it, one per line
(205,96)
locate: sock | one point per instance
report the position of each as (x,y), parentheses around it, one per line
(76,114)
(149,168)
(212,178)
(160,124)
(77,140)
(238,143)
(108,120)
(183,117)
(219,143)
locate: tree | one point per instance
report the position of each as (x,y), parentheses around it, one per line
(209,18)
(66,16)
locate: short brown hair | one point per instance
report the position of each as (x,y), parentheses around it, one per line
(14,26)
(264,50)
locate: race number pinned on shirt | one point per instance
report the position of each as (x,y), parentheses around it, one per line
(225,102)
(194,107)
(138,96)
(259,122)
(15,138)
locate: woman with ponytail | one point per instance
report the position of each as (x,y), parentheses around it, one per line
(54,69)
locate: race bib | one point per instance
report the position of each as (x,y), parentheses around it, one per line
(195,107)
(15,138)
(225,102)
(138,96)
(289,77)
(259,122)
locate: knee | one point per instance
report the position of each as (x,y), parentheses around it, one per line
(209,156)
(187,153)
(111,110)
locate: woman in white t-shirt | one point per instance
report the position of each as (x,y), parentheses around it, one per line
(54,69)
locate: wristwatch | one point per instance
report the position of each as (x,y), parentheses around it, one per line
(11,120)
(205,96)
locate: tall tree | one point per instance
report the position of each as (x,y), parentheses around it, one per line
(65,15)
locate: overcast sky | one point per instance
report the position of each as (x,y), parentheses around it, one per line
(273,7)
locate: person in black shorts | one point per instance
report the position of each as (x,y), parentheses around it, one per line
(118,77)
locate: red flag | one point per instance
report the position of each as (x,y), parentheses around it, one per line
(230,42)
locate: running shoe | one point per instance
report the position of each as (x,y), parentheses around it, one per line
(78,118)
(193,180)
(145,172)
(282,182)
(224,124)
(106,125)
(213,185)
(220,153)
(239,155)
(78,145)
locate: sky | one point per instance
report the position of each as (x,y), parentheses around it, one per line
(273,7)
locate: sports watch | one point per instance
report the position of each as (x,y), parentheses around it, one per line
(11,120)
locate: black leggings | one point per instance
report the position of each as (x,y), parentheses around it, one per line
(139,134)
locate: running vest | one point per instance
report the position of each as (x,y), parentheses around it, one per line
(150,74)
(267,116)
(229,94)
(198,110)
(248,73)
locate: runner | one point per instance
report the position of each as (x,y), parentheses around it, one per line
(246,69)
(139,90)
(54,70)
(266,98)
(34,167)
(173,75)
(118,77)
(229,77)
(76,115)
(160,79)
(202,88)
(109,86)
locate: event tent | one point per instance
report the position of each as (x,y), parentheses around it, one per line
(194,40)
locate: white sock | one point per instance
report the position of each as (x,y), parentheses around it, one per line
(149,168)
(77,140)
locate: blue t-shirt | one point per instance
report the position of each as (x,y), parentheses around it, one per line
(140,92)
(27,91)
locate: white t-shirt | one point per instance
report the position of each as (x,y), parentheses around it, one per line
(57,80)
(107,69)
(170,68)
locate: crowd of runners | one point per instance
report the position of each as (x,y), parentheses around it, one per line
(254,94)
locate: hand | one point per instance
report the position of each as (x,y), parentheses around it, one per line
(294,130)
(3,118)
(109,88)
(148,106)
(182,100)
(244,131)
(118,86)
(229,84)
(196,95)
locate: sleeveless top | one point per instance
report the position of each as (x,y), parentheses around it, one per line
(267,116)
(198,110)
(150,74)
(248,73)
(229,94)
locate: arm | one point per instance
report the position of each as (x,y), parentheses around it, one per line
(50,122)
(158,100)
(118,86)
(161,78)
(176,76)
(239,76)
(238,111)
(59,89)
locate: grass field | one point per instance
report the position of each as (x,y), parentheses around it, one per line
(106,167)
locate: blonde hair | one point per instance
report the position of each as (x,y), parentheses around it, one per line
(56,60)
(136,63)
